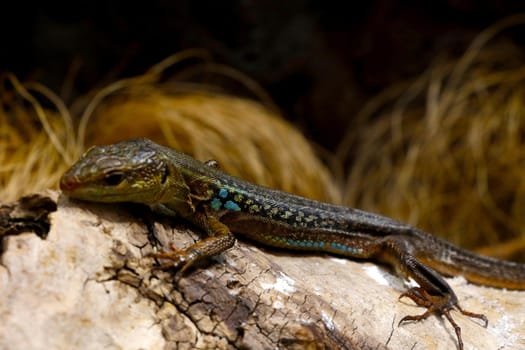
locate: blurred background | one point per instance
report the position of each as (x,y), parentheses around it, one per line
(319,60)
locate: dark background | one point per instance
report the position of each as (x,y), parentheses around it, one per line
(319,60)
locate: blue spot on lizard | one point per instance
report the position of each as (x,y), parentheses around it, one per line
(216,204)
(231,205)
(223,193)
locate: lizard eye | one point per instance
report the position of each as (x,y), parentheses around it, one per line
(165,174)
(113,179)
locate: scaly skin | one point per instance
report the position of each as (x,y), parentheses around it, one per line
(143,172)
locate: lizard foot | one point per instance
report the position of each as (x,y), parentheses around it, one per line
(438,304)
(181,259)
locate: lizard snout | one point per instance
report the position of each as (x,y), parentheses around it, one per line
(68,183)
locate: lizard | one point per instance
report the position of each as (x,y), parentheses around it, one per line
(141,171)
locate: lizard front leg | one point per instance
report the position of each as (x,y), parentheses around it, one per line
(219,239)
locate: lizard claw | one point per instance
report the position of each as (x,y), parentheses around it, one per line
(181,259)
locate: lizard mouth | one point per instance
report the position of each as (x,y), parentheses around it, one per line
(74,189)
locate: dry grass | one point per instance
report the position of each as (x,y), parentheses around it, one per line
(35,142)
(447,151)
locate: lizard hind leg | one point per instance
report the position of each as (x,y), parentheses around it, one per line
(435,295)
(437,304)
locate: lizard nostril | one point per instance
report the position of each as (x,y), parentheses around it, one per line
(67,183)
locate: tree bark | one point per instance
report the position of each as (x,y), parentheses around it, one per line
(91,285)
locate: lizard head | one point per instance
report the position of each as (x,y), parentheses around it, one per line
(136,170)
